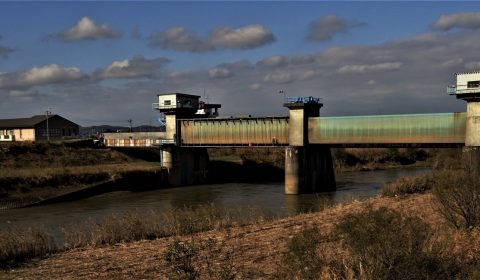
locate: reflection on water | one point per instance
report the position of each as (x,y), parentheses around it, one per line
(266,197)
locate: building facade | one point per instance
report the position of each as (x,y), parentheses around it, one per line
(38,128)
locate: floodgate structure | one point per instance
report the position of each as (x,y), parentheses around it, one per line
(192,126)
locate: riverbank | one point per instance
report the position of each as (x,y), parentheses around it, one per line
(37,172)
(248,251)
(33,172)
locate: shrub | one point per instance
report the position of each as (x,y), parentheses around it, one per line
(302,258)
(459,195)
(180,258)
(386,245)
(408,185)
(208,258)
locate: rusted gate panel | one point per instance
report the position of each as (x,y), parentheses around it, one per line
(445,128)
(268,131)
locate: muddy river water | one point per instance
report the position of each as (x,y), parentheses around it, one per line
(266,197)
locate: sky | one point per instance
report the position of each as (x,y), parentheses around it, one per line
(105,62)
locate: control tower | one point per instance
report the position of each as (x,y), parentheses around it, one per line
(467,88)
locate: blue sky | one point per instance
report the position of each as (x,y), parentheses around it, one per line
(361,57)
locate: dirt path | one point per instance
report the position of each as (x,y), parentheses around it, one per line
(255,249)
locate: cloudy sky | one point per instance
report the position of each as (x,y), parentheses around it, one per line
(104,63)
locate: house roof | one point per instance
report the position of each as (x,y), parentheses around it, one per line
(23,122)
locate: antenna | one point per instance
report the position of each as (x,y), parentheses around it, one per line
(284,92)
(205,96)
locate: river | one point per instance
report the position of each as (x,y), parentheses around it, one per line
(268,198)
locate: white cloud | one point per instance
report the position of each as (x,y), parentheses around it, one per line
(180,39)
(255,86)
(247,37)
(219,73)
(86,29)
(452,62)
(274,61)
(323,29)
(136,67)
(279,78)
(462,21)
(306,74)
(361,69)
(49,74)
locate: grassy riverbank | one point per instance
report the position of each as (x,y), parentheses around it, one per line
(31,172)
(408,235)
(299,246)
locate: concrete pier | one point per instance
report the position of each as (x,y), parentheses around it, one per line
(185,166)
(308,168)
(471,151)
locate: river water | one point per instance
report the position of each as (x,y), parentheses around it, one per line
(267,197)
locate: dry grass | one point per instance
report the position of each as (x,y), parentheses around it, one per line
(71,170)
(409,185)
(256,250)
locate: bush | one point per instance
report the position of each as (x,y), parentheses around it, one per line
(207,259)
(408,185)
(459,195)
(386,245)
(302,259)
(180,258)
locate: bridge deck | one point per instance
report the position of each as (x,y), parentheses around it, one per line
(419,129)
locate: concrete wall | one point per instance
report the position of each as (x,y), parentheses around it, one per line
(472,133)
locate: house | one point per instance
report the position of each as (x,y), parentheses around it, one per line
(37,128)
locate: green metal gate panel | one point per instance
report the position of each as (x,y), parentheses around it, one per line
(445,128)
(268,131)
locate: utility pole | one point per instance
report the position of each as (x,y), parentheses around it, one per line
(130,122)
(47,113)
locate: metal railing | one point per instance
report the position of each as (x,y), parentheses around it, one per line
(452,90)
(307,99)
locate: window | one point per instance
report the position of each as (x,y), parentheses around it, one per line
(473,84)
(167,102)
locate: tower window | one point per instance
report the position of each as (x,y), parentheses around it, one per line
(473,84)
